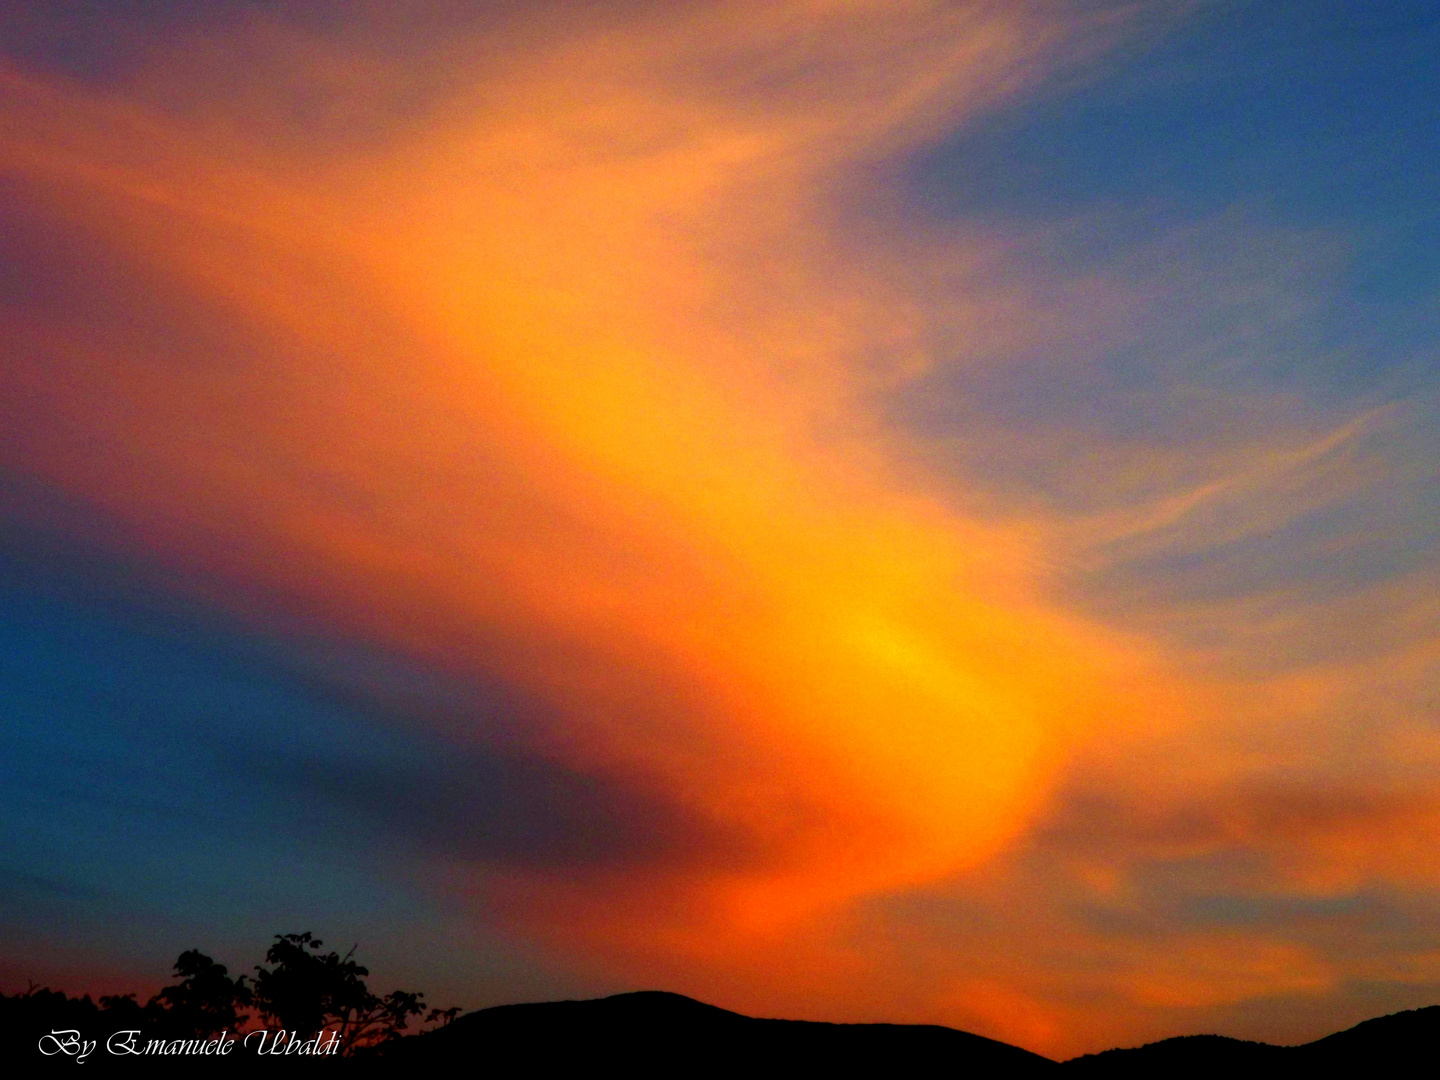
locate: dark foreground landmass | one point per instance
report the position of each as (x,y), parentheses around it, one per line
(653,1033)
(656,1033)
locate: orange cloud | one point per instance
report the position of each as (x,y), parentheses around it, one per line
(566,456)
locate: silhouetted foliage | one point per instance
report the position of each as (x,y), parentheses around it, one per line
(206,1001)
(302,990)
(306,991)
(41,1009)
(202,1004)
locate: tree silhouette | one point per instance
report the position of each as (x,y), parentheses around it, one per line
(303,990)
(307,991)
(206,1001)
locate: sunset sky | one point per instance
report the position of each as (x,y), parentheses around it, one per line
(905,510)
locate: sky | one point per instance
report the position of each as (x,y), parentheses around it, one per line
(914,511)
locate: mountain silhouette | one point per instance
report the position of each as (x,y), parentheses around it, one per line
(1387,1045)
(654,1033)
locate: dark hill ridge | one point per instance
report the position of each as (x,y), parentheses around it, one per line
(1389,1045)
(663,1033)
(658,1033)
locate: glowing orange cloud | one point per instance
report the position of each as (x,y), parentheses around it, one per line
(649,498)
